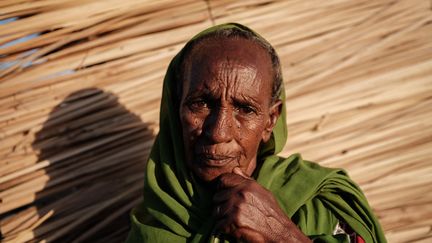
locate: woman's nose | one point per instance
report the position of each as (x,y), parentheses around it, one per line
(218,126)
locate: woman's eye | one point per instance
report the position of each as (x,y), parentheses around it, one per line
(246,109)
(198,104)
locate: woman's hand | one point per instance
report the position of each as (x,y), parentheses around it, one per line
(249,212)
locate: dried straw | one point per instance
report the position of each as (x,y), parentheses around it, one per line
(79,103)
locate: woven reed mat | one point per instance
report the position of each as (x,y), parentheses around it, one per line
(80,84)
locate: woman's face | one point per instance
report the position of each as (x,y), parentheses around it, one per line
(226,108)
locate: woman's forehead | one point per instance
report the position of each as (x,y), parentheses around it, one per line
(214,55)
(224,47)
(226,75)
(240,69)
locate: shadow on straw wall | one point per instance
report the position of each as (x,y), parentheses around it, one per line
(97,151)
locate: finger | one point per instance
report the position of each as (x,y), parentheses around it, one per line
(223,195)
(216,211)
(229,180)
(243,234)
(221,211)
(240,172)
(248,235)
(225,226)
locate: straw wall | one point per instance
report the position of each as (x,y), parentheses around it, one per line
(79,99)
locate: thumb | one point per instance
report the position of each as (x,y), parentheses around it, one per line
(239,172)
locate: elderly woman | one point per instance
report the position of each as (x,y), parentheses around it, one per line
(213,174)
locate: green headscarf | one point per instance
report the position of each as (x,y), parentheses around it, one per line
(178,209)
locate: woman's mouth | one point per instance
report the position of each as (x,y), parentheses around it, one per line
(215,160)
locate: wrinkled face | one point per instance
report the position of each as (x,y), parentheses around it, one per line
(226,109)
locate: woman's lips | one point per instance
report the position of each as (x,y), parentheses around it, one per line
(215,160)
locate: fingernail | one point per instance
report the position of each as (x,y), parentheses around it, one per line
(239,172)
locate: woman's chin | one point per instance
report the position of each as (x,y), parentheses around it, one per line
(211,173)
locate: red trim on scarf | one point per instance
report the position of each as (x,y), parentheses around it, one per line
(359,239)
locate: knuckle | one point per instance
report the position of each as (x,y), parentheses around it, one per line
(238,216)
(244,194)
(222,180)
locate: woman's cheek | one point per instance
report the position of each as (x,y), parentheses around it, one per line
(252,127)
(192,123)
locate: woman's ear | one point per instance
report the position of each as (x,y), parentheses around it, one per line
(274,113)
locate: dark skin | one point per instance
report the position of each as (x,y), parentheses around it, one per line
(226,111)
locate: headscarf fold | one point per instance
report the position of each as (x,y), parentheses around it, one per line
(176,208)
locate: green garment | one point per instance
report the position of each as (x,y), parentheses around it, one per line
(178,209)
